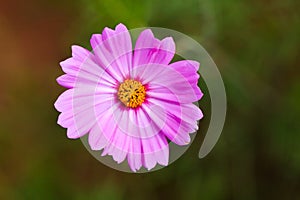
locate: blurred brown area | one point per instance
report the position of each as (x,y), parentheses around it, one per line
(256,47)
(32,38)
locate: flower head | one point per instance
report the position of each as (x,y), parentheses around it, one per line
(129,101)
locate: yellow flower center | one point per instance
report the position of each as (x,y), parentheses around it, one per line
(132,93)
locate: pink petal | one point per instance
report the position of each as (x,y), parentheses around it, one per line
(148,49)
(135,123)
(135,159)
(78,124)
(118,142)
(154,147)
(155,150)
(64,101)
(78,119)
(137,138)
(188,69)
(96,40)
(78,109)
(96,139)
(82,69)
(114,51)
(107,122)
(79,53)
(66,80)
(165,83)
(177,120)
(119,147)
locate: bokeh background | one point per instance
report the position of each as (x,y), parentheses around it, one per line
(254,43)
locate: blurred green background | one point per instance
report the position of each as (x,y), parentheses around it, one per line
(254,43)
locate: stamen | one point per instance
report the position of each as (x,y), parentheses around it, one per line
(132,93)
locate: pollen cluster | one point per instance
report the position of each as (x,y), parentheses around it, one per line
(132,93)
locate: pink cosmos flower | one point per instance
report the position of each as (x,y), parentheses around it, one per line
(130,102)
